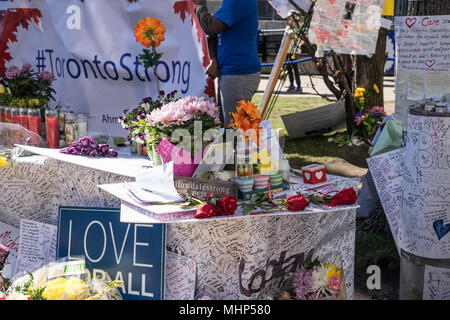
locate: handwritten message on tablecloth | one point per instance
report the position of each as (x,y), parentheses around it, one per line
(9,237)
(387,172)
(180,277)
(424,228)
(436,283)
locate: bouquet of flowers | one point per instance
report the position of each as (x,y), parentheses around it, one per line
(247,119)
(314,281)
(135,121)
(87,146)
(26,88)
(187,114)
(61,280)
(369,117)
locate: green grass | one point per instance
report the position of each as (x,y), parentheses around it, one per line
(313,149)
(286,105)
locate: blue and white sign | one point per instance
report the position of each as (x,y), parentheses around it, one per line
(132,253)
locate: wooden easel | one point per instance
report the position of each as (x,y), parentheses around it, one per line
(275,73)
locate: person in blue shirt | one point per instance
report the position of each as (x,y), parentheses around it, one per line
(233,46)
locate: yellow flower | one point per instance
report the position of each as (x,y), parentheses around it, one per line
(36,102)
(2,89)
(375,87)
(8,90)
(332,270)
(63,289)
(3,162)
(30,102)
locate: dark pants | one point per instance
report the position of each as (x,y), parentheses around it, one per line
(292,69)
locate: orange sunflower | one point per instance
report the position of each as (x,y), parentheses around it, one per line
(149,32)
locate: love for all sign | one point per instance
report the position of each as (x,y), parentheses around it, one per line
(132,253)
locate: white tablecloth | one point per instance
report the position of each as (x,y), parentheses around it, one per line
(242,258)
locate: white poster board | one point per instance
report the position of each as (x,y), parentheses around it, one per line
(387,173)
(436,283)
(91,49)
(424,228)
(422,60)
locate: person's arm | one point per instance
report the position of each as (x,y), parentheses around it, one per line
(210,25)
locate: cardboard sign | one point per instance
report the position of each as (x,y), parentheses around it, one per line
(201,188)
(132,253)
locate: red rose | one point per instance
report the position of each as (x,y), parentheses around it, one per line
(346,196)
(227,205)
(206,210)
(296,203)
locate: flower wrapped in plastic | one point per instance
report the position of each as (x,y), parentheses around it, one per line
(316,281)
(62,280)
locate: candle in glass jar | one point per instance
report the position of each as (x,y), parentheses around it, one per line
(51,126)
(2,114)
(34,120)
(24,118)
(15,115)
(8,117)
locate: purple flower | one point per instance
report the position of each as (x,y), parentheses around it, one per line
(26,67)
(302,284)
(64,150)
(85,141)
(85,150)
(78,145)
(73,150)
(112,153)
(162,93)
(103,148)
(376,114)
(93,144)
(94,153)
(47,76)
(12,73)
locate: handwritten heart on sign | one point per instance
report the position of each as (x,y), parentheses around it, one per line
(430,63)
(319,175)
(410,22)
(443,192)
(441,229)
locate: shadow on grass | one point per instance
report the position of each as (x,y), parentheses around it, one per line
(317,149)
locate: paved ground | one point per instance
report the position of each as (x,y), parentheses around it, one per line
(319,85)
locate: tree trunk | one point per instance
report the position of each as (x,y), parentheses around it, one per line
(370,71)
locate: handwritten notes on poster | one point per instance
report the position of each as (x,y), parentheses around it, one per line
(346,27)
(436,283)
(423,42)
(424,227)
(422,58)
(180,277)
(387,173)
(37,246)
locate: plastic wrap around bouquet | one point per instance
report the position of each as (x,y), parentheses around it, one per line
(62,280)
(11,134)
(184,164)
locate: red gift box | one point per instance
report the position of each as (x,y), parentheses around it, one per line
(314,173)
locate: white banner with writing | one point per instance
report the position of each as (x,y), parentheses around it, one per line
(91,49)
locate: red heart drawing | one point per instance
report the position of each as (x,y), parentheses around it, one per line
(410,22)
(430,62)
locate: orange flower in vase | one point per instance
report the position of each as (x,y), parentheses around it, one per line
(247,119)
(149,32)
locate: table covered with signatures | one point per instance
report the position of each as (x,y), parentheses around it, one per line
(239,257)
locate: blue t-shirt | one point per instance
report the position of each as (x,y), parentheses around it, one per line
(237,46)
